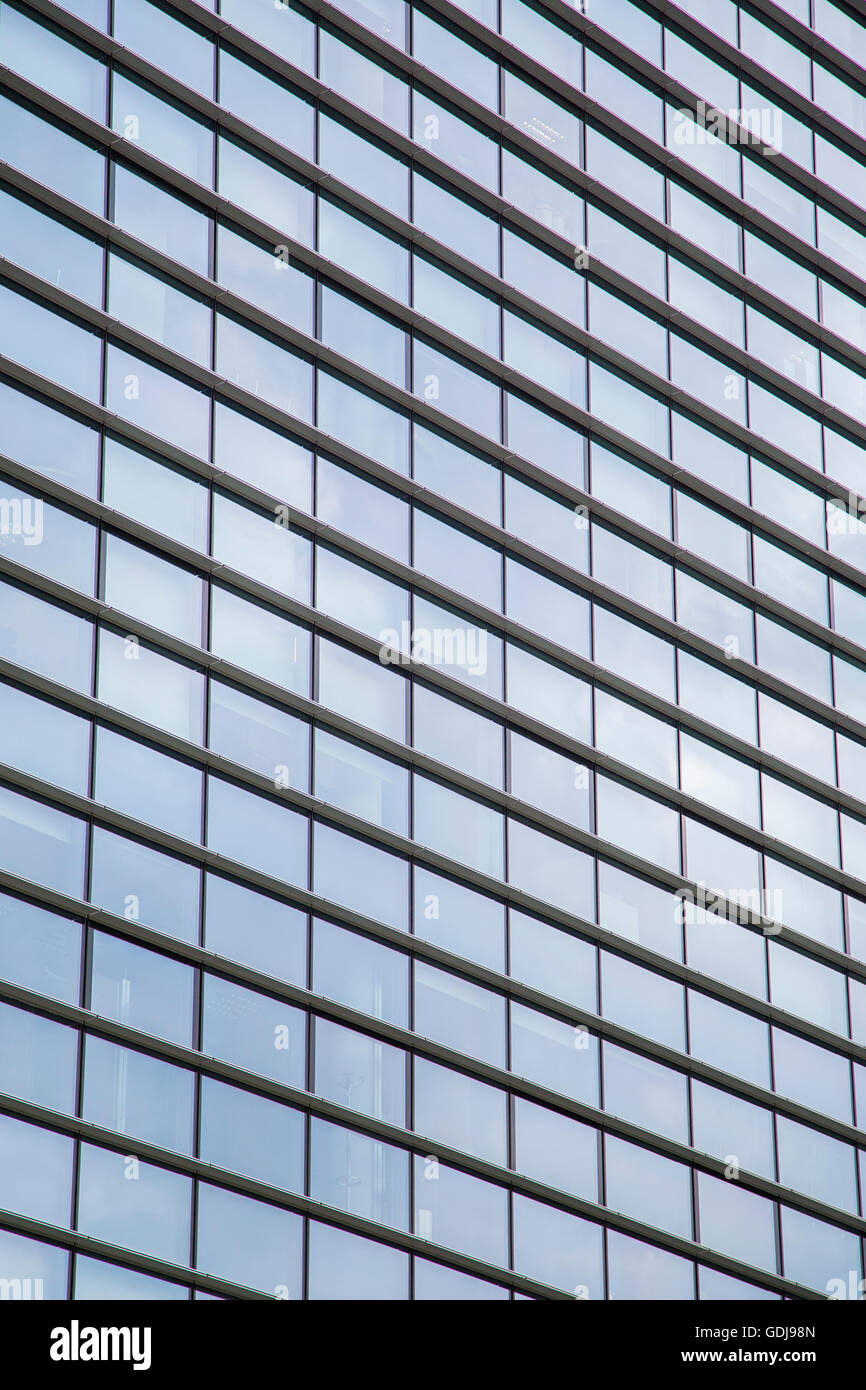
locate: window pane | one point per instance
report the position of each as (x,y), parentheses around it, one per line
(460,1211)
(38,1059)
(39,843)
(557,1248)
(142,989)
(460,1111)
(138,1095)
(36,1171)
(39,949)
(361,876)
(264,933)
(249,1242)
(252,1135)
(133,880)
(360,1175)
(458,919)
(151,1213)
(347,1266)
(360,1073)
(253,1031)
(459,1014)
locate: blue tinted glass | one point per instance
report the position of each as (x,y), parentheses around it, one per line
(456,734)
(558,1248)
(556,1150)
(459,142)
(344,1266)
(729,1039)
(355,74)
(545,198)
(150,686)
(361,876)
(812,1075)
(142,989)
(260,736)
(36,1171)
(163,128)
(41,1268)
(639,1271)
(454,388)
(49,344)
(820,1255)
(266,190)
(364,690)
(454,472)
(458,919)
(459,1014)
(360,1073)
(138,1095)
(262,932)
(455,221)
(137,779)
(40,843)
(452,301)
(560,1056)
(460,1111)
(39,950)
(648,1187)
(552,960)
(437,1283)
(172,44)
(161,219)
(72,167)
(359,507)
(43,739)
(98,1280)
(361,973)
(550,869)
(263,456)
(43,537)
(129,1203)
(267,104)
(287,28)
(549,780)
(363,421)
(253,1031)
(262,545)
(38,1061)
(364,336)
(462,829)
(645,1092)
(270,281)
(257,831)
(48,441)
(260,639)
(262,366)
(360,245)
(460,1211)
(159,309)
(364,163)
(252,1135)
(49,248)
(358,1174)
(361,782)
(46,638)
(152,398)
(249,1242)
(166,499)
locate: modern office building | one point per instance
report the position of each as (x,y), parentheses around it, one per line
(432,649)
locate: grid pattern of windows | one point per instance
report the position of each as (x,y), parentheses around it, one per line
(432,649)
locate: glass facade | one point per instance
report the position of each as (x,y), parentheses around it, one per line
(433,649)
